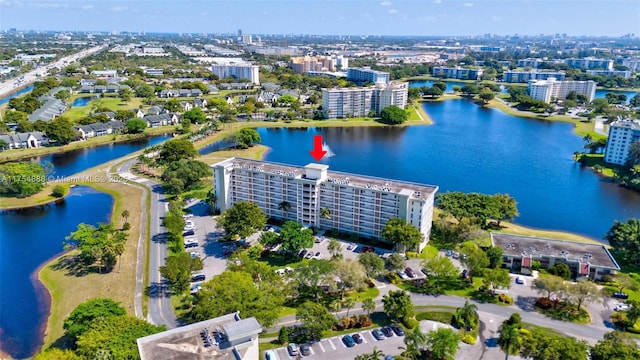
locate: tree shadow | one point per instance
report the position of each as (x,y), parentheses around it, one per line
(72,265)
(63,342)
(158,290)
(526,303)
(160,238)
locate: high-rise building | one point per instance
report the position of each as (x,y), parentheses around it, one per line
(525,76)
(365,74)
(305,64)
(247,39)
(357,204)
(632,64)
(457,73)
(239,70)
(590,63)
(622,133)
(239,32)
(360,101)
(546,90)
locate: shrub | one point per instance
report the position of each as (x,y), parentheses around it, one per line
(364,321)
(394,278)
(283,335)
(126,226)
(409,323)
(58,191)
(468,339)
(544,303)
(503,298)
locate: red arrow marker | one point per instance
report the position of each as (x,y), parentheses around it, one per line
(317,151)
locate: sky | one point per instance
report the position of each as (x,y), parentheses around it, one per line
(329,17)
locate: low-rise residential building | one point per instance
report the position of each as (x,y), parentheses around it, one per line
(534,63)
(586,260)
(33,139)
(171,93)
(154,72)
(624,73)
(222,338)
(51,108)
(163,119)
(622,133)
(236,86)
(590,63)
(105,73)
(365,74)
(632,64)
(547,90)
(99,129)
(358,204)
(525,76)
(99,89)
(457,73)
(361,101)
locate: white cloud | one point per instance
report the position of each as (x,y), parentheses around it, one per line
(496,18)
(393,11)
(437,1)
(468,4)
(49,5)
(87,7)
(385,3)
(120,8)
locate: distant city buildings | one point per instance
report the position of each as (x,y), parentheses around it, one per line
(546,90)
(237,68)
(340,103)
(524,76)
(457,73)
(590,63)
(622,133)
(154,72)
(365,74)
(534,63)
(358,204)
(105,73)
(624,73)
(632,64)
(329,63)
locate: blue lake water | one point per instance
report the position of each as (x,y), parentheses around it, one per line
(19,93)
(27,240)
(82,101)
(475,149)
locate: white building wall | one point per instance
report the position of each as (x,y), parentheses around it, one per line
(621,135)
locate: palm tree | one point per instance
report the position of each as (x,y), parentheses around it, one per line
(509,340)
(416,338)
(325,213)
(212,199)
(285,206)
(335,306)
(125,214)
(377,354)
(348,303)
(467,316)
(368,305)
(410,352)
(334,247)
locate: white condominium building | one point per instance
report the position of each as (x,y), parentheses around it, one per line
(365,74)
(622,133)
(525,76)
(590,63)
(632,64)
(239,71)
(624,73)
(357,204)
(340,103)
(457,73)
(546,90)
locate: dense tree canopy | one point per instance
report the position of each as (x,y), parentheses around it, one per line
(397,304)
(22,178)
(615,345)
(85,314)
(478,208)
(183,175)
(242,219)
(541,344)
(373,264)
(439,268)
(135,126)
(195,116)
(312,276)
(60,130)
(100,246)
(178,268)
(624,237)
(177,149)
(295,237)
(443,343)
(398,232)
(315,317)
(393,115)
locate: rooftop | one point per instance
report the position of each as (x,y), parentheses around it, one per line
(518,245)
(630,124)
(414,190)
(188,342)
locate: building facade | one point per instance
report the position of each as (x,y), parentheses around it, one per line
(547,90)
(624,73)
(525,76)
(457,73)
(250,72)
(622,133)
(357,204)
(329,63)
(338,103)
(590,63)
(362,75)
(534,63)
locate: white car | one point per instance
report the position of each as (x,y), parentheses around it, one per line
(194,254)
(351,246)
(621,307)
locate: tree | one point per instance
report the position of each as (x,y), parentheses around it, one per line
(247,137)
(85,314)
(195,116)
(549,285)
(269,238)
(486,95)
(443,343)
(399,233)
(57,354)
(26,178)
(3,144)
(178,268)
(368,305)
(99,245)
(473,258)
(284,206)
(373,264)
(125,94)
(507,208)
(467,316)
(494,278)
(477,208)
(312,276)
(115,336)
(125,214)
(177,149)
(635,101)
(62,95)
(439,268)
(295,237)
(135,126)
(583,292)
(634,312)
(212,200)
(242,219)
(124,115)
(561,269)
(615,345)
(397,304)
(494,254)
(624,237)
(393,115)
(315,317)
(60,130)
(334,247)
(633,157)
(416,339)
(599,105)
(350,275)
(542,345)
(236,291)
(509,340)
(173,105)
(470,90)
(184,175)
(395,263)
(325,213)
(348,304)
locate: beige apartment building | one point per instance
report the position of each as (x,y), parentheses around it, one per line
(357,204)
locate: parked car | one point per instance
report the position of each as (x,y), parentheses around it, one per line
(456,255)
(194,254)
(620,295)
(351,246)
(198,277)
(317,255)
(410,273)
(424,271)
(387,331)
(305,350)
(378,334)
(190,245)
(397,330)
(519,280)
(293,349)
(303,253)
(621,307)
(348,340)
(189,232)
(309,255)
(449,253)
(357,338)
(270,355)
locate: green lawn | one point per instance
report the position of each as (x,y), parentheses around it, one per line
(112,103)
(591,160)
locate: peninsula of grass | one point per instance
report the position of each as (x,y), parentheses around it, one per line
(41,198)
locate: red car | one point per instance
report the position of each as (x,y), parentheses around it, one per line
(410,272)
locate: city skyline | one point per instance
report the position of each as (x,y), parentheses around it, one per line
(329,17)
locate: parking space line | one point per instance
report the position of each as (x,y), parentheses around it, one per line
(331,343)
(341,342)
(321,347)
(363,339)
